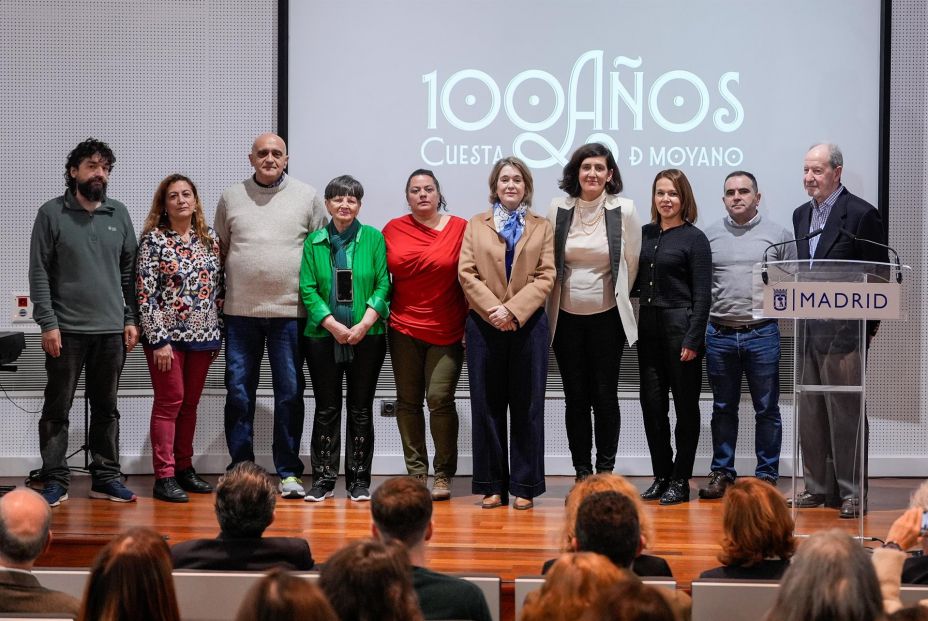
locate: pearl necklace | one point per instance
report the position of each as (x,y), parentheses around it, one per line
(588,228)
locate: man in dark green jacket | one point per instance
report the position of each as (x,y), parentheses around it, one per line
(81,279)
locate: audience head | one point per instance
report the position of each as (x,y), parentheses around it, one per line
(920,497)
(630,600)
(913,613)
(402,510)
(571,585)
(831,578)
(245,501)
(130,580)
(280,596)
(607,523)
(756,524)
(24,528)
(604,482)
(371,581)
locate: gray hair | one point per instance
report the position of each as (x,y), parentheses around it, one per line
(245,500)
(21,548)
(920,497)
(835,157)
(831,577)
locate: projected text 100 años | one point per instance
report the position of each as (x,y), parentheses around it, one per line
(676,101)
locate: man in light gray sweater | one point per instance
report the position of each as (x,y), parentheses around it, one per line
(262,223)
(737,344)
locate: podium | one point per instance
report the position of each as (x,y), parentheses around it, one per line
(835,305)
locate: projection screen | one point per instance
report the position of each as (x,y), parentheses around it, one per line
(376,89)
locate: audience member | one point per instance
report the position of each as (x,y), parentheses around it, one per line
(913,613)
(888,560)
(607,523)
(629,601)
(915,569)
(280,596)
(370,581)
(644,564)
(757,533)
(402,511)
(24,535)
(831,578)
(574,582)
(245,501)
(130,580)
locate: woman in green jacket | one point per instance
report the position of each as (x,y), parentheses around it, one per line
(345,287)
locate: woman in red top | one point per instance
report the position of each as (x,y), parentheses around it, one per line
(427,314)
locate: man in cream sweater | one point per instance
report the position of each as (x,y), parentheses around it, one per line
(262,223)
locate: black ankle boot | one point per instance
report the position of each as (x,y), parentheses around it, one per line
(190,481)
(658,487)
(678,491)
(168,490)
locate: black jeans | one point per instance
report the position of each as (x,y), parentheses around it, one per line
(588,349)
(103,356)
(326,377)
(661,332)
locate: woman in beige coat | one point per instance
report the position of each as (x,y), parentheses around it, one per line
(507,271)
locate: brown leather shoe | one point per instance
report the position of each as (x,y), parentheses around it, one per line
(523,504)
(441,488)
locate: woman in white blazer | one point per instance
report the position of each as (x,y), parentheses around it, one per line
(597,239)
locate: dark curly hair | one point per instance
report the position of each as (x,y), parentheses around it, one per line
(570,182)
(81,152)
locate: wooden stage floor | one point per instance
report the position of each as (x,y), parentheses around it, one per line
(467,538)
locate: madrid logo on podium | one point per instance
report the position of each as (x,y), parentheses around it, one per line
(833,300)
(779,299)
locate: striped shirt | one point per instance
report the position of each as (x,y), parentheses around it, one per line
(820,212)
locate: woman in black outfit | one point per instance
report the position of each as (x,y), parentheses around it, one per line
(674,283)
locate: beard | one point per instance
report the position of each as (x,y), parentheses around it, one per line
(92,189)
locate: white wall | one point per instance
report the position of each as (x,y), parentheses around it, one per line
(185,86)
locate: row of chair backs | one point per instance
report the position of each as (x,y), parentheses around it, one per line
(748,600)
(215,595)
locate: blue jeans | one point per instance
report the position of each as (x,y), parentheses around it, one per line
(754,354)
(245,341)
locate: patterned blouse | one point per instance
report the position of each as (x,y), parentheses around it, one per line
(180,291)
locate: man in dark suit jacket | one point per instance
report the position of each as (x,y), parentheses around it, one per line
(829,423)
(24,535)
(245,501)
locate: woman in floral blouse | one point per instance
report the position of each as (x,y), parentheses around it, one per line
(179,287)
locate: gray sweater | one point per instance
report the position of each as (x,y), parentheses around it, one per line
(261,232)
(735,250)
(82,267)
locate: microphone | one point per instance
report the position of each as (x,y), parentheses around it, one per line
(858,238)
(763,263)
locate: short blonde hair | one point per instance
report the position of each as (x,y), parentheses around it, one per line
(603,482)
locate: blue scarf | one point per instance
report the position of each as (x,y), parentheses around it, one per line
(342,311)
(513,225)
